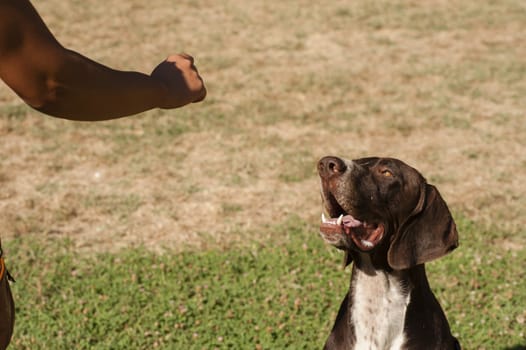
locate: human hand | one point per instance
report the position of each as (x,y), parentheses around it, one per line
(181,81)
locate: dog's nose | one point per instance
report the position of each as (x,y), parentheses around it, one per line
(328,166)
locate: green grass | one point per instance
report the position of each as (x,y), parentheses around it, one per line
(258,296)
(438,84)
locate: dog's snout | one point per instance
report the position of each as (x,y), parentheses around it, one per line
(328,166)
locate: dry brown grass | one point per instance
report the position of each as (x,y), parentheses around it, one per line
(440,85)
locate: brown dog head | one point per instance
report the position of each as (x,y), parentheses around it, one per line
(382,202)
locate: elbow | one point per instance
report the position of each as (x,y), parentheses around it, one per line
(50,101)
(48,98)
(40,85)
(35,89)
(42,96)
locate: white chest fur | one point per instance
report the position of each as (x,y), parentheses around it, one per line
(378,309)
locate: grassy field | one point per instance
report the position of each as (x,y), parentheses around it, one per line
(265,296)
(197,228)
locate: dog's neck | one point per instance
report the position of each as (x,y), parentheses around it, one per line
(379,302)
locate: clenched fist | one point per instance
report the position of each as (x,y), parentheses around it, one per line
(181,80)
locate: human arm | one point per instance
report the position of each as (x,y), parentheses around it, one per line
(63,83)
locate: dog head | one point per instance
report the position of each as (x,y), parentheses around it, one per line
(383,202)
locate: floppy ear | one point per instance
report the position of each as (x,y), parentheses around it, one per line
(429,234)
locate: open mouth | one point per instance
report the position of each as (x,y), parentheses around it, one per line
(365,235)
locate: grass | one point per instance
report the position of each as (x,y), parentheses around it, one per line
(261,296)
(267,295)
(148,230)
(437,85)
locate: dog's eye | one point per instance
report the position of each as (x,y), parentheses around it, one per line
(387,173)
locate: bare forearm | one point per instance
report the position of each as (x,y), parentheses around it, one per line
(81,89)
(65,84)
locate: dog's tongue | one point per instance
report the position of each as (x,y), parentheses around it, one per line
(364,235)
(349,221)
(342,224)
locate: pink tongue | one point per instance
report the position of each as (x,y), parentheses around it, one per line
(330,226)
(349,221)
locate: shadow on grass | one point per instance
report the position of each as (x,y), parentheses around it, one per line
(516,347)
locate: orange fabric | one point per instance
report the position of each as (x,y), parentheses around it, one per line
(2,268)
(7,308)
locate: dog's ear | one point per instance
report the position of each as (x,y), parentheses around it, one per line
(428,234)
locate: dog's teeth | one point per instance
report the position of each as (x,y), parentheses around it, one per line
(323,218)
(367,243)
(340,219)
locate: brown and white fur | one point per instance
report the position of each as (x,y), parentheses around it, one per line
(389,222)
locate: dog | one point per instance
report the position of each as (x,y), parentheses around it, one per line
(390,222)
